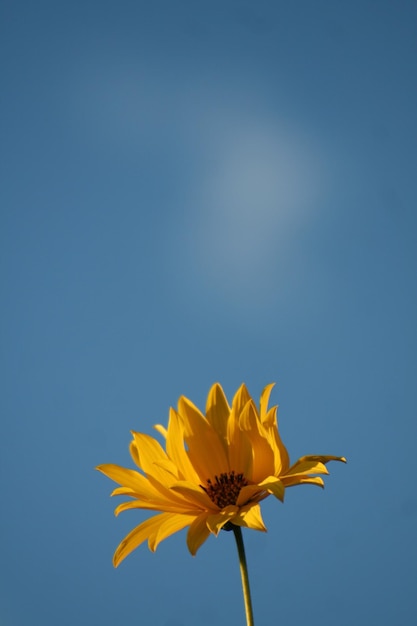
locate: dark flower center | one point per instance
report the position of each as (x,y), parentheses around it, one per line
(225,488)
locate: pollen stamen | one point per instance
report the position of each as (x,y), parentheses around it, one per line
(225,489)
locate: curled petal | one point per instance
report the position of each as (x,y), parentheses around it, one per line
(275,486)
(161,430)
(302,479)
(249,493)
(263,403)
(312,464)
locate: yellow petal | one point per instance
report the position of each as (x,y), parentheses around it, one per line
(165,495)
(249,493)
(171,471)
(197,533)
(312,464)
(254,493)
(275,486)
(302,479)
(218,411)
(299,473)
(151,454)
(175,448)
(322,458)
(263,404)
(137,536)
(216,521)
(161,430)
(123,491)
(240,447)
(195,495)
(250,517)
(269,420)
(307,467)
(281,458)
(134,453)
(125,477)
(263,455)
(168,527)
(240,399)
(205,449)
(166,507)
(144,489)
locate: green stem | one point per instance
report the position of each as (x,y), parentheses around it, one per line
(244,574)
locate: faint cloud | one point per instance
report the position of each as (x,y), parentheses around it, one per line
(251,180)
(262,185)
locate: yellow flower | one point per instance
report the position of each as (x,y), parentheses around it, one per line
(213,473)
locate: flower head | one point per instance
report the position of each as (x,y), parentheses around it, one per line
(215,470)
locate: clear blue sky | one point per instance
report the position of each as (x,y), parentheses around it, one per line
(195,192)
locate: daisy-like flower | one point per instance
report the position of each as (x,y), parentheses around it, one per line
(215,470)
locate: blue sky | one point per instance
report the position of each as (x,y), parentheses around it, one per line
(193,193)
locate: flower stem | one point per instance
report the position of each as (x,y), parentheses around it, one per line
(244,574)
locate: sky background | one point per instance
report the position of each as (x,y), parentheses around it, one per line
(195,192)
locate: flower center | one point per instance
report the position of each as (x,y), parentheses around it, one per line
(225,488)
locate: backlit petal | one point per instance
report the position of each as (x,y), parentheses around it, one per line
(240,399)
(262,453)
(240,447)
(218,411)
(205,449)
(281,458)
(176,450)
(150,452)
